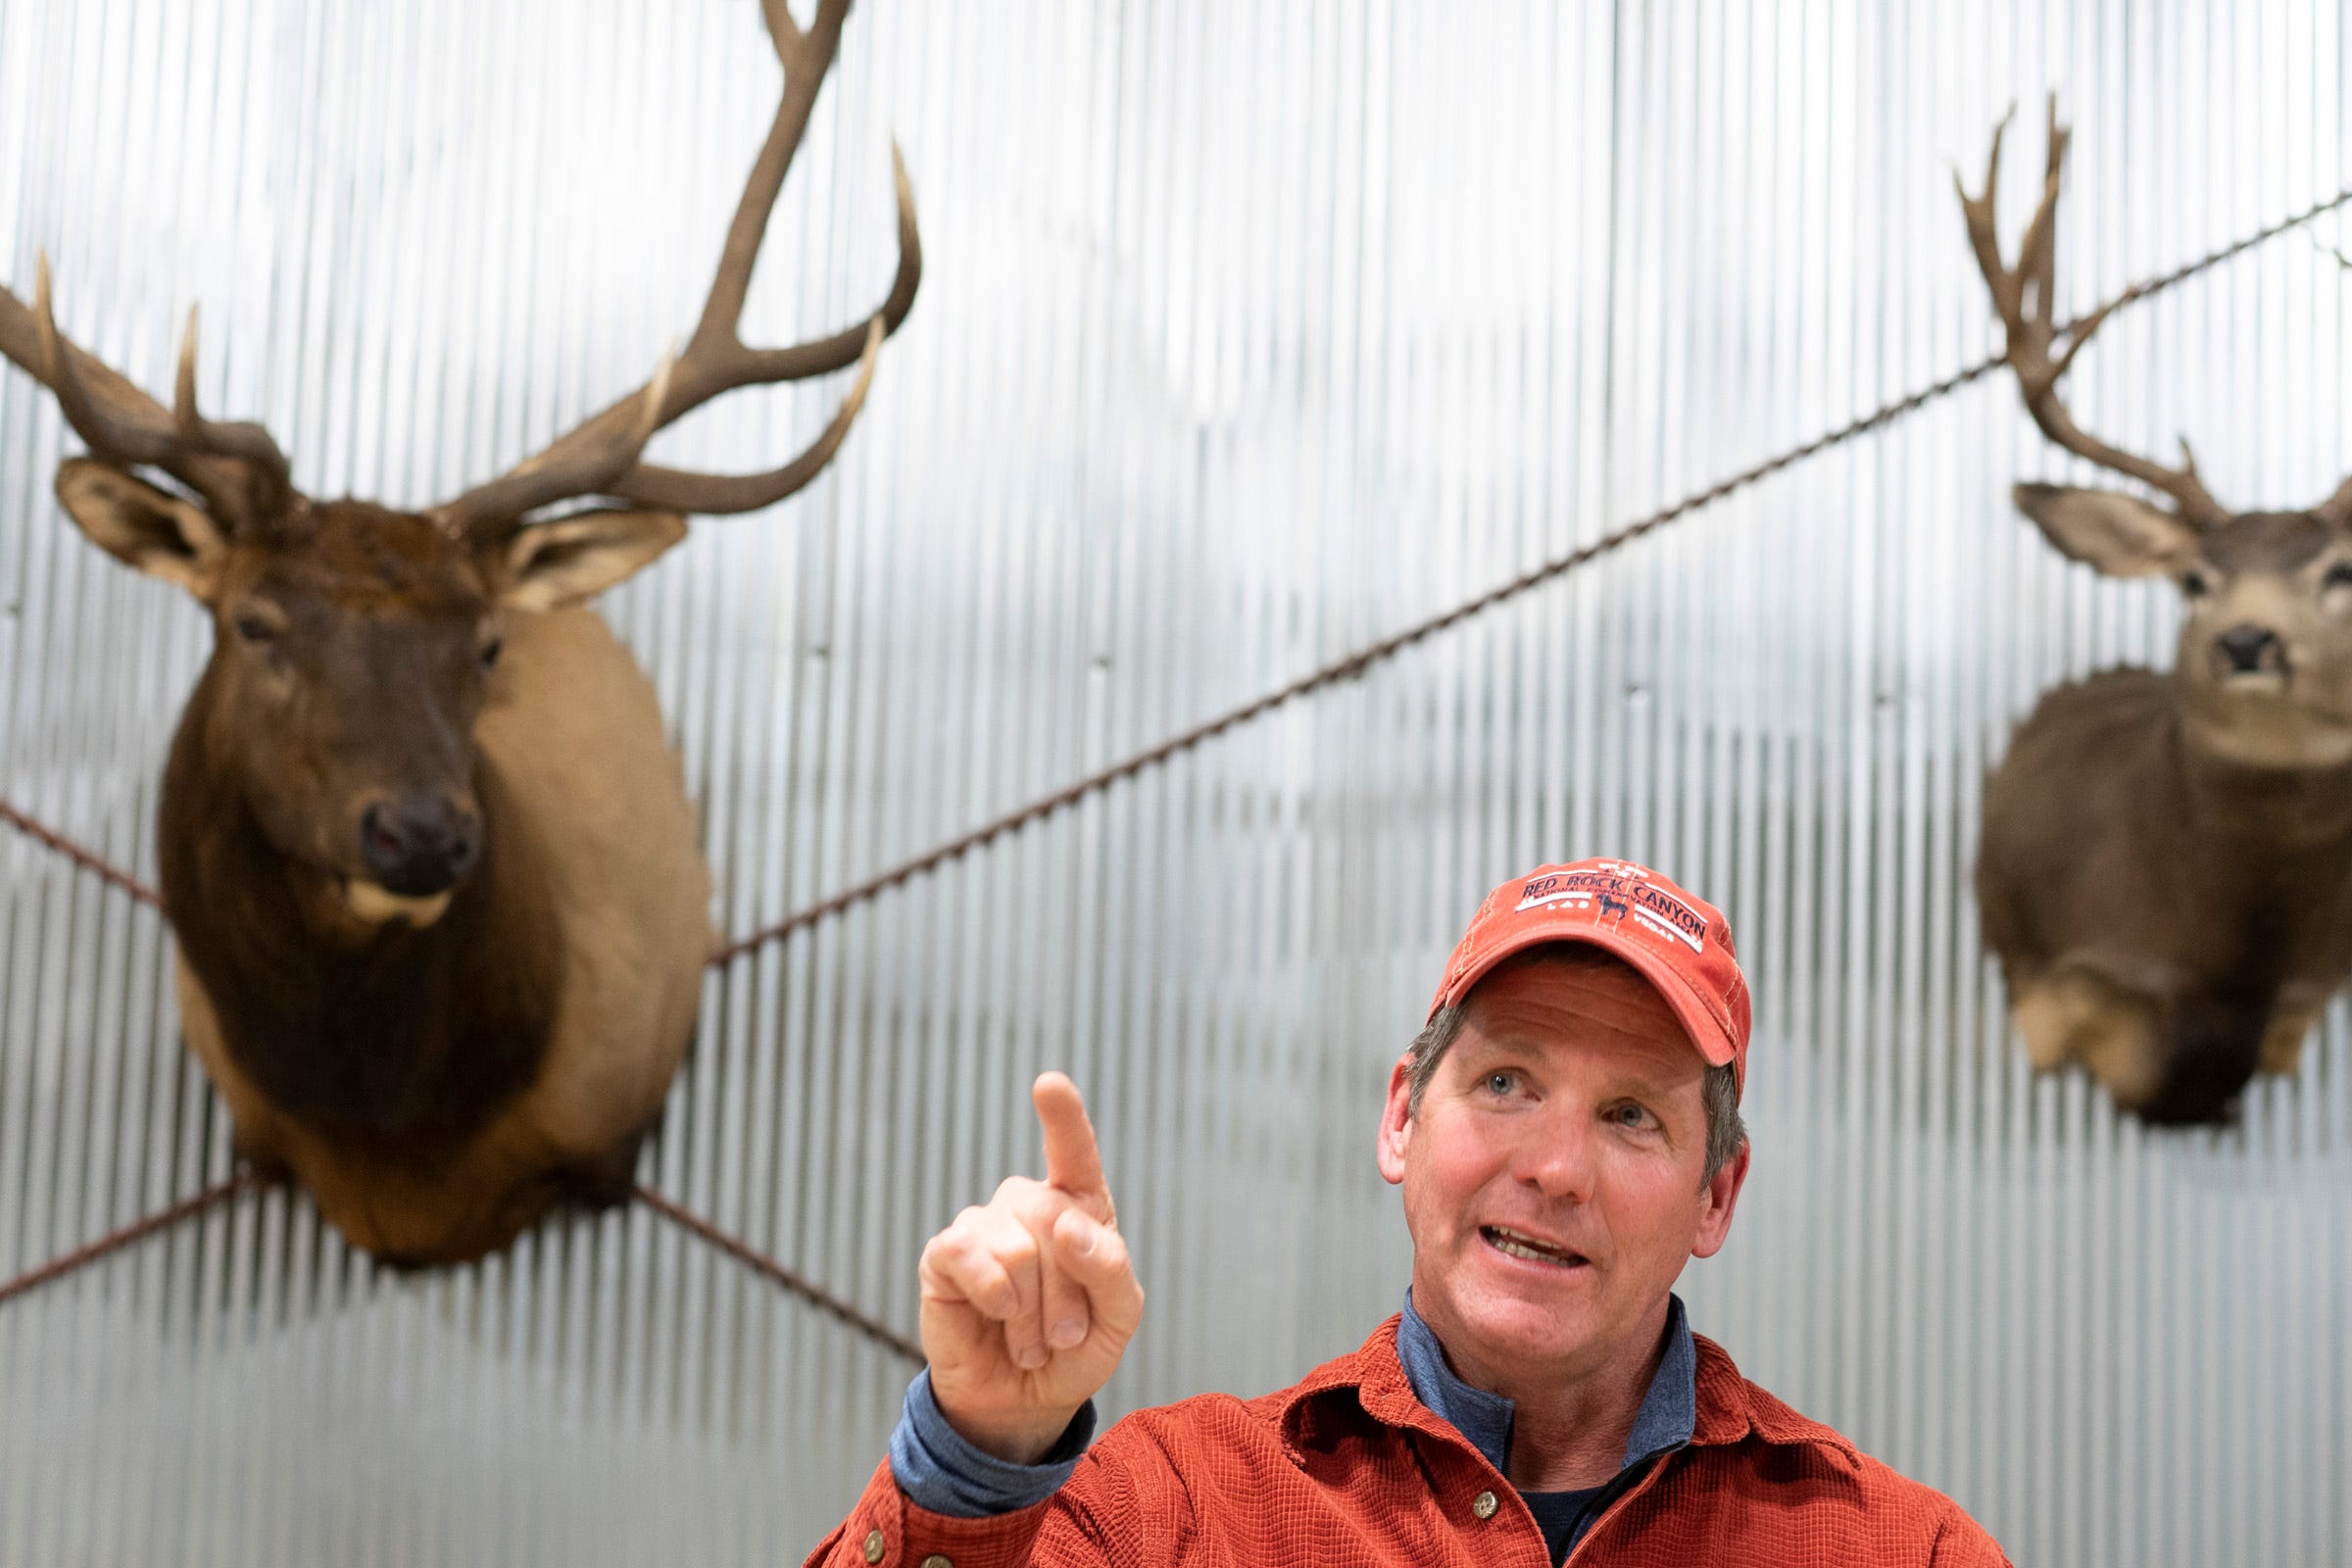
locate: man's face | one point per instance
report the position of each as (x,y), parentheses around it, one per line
(1552,1173)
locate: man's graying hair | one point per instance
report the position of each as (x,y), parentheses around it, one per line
(1726,1132)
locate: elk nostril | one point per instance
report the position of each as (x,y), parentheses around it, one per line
(381,843)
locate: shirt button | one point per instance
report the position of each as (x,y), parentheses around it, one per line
(1483,1506)
(935,1561)
(875,1547)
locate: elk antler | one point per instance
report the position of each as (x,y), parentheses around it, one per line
(601,456)
(236,467)
(2026,301)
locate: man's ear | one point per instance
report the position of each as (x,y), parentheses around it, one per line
(1397,1120)
(1716,1200)
(2120,535)
(149,528)
(567,559)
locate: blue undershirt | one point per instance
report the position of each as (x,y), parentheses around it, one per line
(939,1471)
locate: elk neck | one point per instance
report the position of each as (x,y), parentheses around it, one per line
(393,1035)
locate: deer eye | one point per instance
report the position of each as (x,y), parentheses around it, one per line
(256,628)
(490,651)
(2338,575)
(2195,583)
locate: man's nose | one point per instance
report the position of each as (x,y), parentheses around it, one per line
(1557,1154)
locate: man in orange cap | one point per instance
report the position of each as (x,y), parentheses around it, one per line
(1566,1132)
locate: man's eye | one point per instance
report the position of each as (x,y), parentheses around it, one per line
(1629,1116)
(1502,1083)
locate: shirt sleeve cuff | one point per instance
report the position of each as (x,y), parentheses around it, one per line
(939,1471)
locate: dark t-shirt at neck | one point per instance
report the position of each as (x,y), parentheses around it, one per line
(1558,1515)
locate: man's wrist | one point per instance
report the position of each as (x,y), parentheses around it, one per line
(943,1470)
(1026,1445)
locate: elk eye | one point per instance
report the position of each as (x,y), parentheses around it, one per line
(2195,584)
(254,628)
(2338,575)
(490,651)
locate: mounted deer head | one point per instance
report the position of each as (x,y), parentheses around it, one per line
(353,642)
(2265,662)
(2165,872)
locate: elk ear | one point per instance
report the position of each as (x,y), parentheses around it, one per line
(149,528)
(567,560)
(2120,535)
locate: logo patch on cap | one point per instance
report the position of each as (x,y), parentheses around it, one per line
(1614,895)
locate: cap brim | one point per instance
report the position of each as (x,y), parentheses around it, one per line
(1706,1031)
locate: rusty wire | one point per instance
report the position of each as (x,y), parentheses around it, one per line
(104,871)
(1345,668)
(761,1263)
(138,1230)
(1352,665)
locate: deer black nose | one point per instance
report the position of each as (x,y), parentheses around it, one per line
(419,845)
(2247,650)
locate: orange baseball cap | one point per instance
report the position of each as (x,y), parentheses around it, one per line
(1680,943)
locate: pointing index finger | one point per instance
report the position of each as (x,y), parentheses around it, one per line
(1074,1163)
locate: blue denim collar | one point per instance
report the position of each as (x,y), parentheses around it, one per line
(1669,1411)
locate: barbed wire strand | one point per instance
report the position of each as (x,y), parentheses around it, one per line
(1356,663)
(1338,670)
(761,1263)
(89,860)
(138,1230)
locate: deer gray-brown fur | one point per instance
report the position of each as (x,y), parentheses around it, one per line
(2166,869)
(441,915)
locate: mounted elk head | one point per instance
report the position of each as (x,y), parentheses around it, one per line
(351,641)
(423,848)
(2167,860)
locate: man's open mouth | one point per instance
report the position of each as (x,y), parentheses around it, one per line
(1518,1243)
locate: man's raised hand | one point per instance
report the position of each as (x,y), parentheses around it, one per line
(1029,1301)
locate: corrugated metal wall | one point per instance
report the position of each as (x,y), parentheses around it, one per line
(1250,334)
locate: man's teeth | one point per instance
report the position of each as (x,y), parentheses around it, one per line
(1527,1246)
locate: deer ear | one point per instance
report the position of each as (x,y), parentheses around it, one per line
(567,559)
(2120,535)
(149,528)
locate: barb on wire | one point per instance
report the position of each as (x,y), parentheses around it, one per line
(138,1230)
(761,1263)
(1351,665)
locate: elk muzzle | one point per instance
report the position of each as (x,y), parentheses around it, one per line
(417,845)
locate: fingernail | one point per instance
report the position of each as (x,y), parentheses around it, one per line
(1084,1245)
(1066,1333)
(1031,1358)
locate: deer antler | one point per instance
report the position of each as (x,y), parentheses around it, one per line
(236,467)
(2025,299)
(601,456)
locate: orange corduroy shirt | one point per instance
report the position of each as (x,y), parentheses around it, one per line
(1349,1469)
